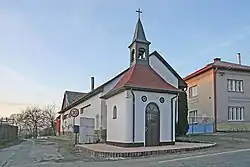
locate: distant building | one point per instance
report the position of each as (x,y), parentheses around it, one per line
(221,91)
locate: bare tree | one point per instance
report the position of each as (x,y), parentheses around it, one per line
(33,119)
(49,114)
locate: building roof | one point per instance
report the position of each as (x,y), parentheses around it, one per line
(70,97)
(74,96)
(141,76)
(100,88)
(220,65)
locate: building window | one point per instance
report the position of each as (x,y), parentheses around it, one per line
(132,55)
(193,116)
(115,112)
(97,121)
(234,85)
(142,54)
(193,91)
(235,113)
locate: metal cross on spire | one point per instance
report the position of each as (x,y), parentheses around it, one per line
(139,13)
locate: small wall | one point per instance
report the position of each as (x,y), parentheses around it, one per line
(8,132)
(233,126)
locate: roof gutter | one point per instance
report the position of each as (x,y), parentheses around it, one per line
(215,98)
(133,110)
(172,116)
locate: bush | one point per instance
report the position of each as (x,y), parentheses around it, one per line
(182,123)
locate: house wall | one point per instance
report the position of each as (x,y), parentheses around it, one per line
(122,123)
(98,106)
(225,99)
(204,101)
(163,71)
(165,115)
(89,112)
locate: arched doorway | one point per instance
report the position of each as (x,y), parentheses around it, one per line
(152,125)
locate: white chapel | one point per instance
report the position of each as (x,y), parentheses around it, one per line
(138,107)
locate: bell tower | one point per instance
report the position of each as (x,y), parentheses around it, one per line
(139,48)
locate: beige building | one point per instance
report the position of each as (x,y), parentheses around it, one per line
(220,91)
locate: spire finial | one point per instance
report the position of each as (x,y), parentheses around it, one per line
(139,13)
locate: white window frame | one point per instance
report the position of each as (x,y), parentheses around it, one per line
(193,91)
(193,119)
(234,85)
(235,113)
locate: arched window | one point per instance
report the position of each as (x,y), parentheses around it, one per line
(115,112)
(142,54)
(132,58)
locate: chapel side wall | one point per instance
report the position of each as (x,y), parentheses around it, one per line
(117,129)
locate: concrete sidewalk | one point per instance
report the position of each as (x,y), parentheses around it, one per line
(107,151)
(7,153)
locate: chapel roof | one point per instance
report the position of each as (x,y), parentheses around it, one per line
(143,77)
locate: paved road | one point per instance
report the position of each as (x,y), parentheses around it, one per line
(233,151)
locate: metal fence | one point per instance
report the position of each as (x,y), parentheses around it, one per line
(7,129)
(200,125)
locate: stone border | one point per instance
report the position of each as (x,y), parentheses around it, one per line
(193,141)
(140,154)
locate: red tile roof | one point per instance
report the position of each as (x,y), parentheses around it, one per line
(143,76)
(218,64)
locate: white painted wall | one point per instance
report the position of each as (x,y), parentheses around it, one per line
(165,115)
(98,106)
(89,112)
(118,130)
(163,71)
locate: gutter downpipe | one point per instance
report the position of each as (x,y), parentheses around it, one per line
(172,113)
(215,99)
(133,97)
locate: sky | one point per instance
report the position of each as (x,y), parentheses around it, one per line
(47,47)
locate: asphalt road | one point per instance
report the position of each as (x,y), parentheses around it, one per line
(233,150)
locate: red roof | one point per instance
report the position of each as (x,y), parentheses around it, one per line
(219,64)
(143,76)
